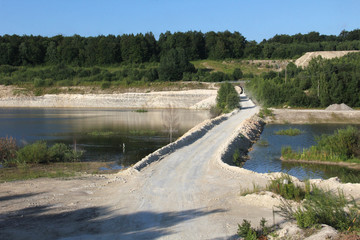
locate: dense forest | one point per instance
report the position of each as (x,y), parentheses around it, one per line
(322,83)
(139,59)
(140,48)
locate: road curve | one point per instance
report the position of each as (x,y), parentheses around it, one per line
(185,195)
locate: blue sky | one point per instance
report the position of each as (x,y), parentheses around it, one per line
(254,19)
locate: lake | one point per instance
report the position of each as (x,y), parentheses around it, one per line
(264,159)
(123,136)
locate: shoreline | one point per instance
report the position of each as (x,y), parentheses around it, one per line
(186,99)
(311,116)
(355,166)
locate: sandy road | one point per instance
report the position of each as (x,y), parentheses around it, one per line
(186,195)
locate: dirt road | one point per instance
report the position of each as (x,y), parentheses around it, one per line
(186,195)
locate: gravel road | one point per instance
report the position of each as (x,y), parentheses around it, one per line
(185,195)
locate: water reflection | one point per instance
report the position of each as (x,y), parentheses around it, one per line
(264,159)
(101,133)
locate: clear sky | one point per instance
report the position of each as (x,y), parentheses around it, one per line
(254,19)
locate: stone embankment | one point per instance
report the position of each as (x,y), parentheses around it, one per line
(243,138)
(189,99)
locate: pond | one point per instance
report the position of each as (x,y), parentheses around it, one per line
(264,159)
(123,136)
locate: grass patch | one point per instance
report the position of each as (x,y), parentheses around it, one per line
(289,132)
(141,110)
(102,133)
(324,207)
(262,143)
(246,191)
(228,66)
(287,189)
(265,112)
(53,170)
(142,132)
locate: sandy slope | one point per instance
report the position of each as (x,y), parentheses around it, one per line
(193,99)
(304,60)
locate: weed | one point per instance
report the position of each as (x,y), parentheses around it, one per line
(141,110)
(289,132)
(265,112)
(249,233)
(256,189)
(286,188)
(324,207)
(263,143)
(7,149)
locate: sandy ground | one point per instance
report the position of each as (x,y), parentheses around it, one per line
(185,195)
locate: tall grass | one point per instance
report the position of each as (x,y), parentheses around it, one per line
(325,207)
(287,189)
(289,132)
(342,146)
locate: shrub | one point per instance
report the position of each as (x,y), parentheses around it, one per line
(33,153)
(7,149)
(59,152)
(237,157)
(286,188)
(237,74)
(248,233)
(227,98)
(105,85)
(326,207)
(38,82)
(215,111)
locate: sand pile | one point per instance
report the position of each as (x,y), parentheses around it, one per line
(339,107)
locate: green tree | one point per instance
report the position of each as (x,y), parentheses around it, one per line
(173,64)
(227,98)
(237,74)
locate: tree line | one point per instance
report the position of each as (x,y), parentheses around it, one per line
(140,48)
(321,83)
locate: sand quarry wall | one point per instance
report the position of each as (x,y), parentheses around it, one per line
(304,60)
(189,99)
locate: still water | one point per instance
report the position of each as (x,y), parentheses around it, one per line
(123,136)
(264,159)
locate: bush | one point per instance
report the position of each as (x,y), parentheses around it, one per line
(325,207)
(248,233)
(215,111)
(33,153)
(39,152)
(7,149)
(59,152)
(287,189)
(237,74)
(38,82)
(227,98)
(105,85)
